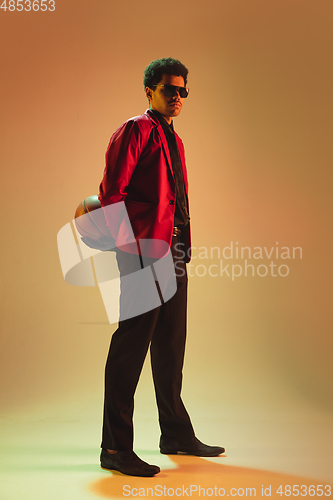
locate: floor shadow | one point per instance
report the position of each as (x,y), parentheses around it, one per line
(196,477)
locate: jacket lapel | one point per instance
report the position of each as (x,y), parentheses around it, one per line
(182,160)
(165,146)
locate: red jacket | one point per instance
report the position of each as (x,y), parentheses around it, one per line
(139,172)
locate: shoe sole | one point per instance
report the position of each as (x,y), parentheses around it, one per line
(178,452)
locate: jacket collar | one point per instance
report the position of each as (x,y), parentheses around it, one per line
(151,115)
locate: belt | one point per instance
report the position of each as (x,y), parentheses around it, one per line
(176,231)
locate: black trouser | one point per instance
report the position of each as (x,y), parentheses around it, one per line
(164,328)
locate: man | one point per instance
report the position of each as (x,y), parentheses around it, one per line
(145,169)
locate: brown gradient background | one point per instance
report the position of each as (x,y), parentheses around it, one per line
(257,129)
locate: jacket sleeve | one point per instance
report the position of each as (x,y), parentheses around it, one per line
(122,156)
(123,153)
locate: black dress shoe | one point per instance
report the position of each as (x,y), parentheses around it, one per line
(128,463)
(192,447)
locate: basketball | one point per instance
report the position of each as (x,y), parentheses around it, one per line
(91,224)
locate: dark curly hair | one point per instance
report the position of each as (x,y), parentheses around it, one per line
(165,66)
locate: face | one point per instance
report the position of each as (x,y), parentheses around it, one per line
(167,106)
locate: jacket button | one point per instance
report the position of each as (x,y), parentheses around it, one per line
(171,202)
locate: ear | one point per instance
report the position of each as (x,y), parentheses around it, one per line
(149,93)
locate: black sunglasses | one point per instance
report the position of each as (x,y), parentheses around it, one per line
(170,90)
